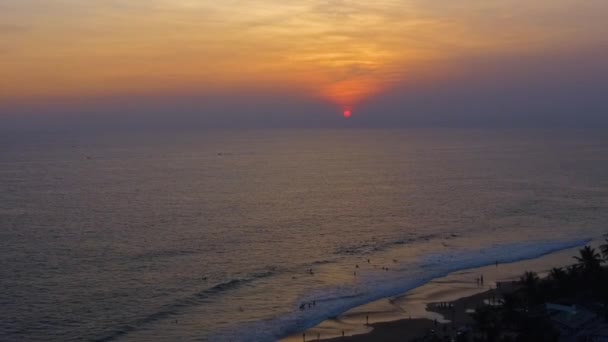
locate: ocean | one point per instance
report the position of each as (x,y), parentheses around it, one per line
(225,235)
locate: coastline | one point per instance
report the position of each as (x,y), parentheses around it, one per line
(415,312)
(416,328)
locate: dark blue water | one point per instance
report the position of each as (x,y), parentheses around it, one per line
(211,236)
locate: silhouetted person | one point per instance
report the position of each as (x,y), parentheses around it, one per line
(366,320)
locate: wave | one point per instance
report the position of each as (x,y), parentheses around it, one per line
(376,246)
(322,262)
(177,306)
(162,254)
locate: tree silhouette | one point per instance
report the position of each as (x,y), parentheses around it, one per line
(558,274)
(604,249)
(561,281)
(589,261)
(529,282)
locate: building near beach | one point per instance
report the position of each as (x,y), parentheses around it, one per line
(576,323)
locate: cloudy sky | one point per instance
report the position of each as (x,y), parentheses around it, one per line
(288,62)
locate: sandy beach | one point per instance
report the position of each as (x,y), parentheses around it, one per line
(441,305)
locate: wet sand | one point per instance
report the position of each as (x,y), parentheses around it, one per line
(416,312)
(398,331)
(456,315)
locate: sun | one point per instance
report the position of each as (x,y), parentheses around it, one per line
(347,113)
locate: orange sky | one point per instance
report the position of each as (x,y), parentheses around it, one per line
(341,51)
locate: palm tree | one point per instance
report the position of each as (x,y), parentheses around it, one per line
(529,282)
(561,281)
(572,271)
(604,249)
(589,260)
(558,274)
(529,279)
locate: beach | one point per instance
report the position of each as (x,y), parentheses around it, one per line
(442,305)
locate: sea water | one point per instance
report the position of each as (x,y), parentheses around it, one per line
(224,235)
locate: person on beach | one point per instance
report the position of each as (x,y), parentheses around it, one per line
(481,280)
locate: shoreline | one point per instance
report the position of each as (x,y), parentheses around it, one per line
(414,312)
(418,328)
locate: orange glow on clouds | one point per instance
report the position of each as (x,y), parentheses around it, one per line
(342,51)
